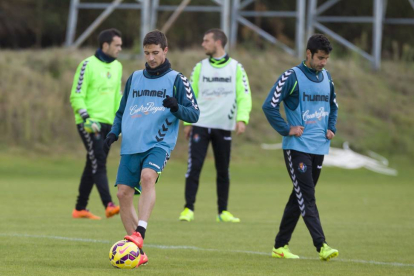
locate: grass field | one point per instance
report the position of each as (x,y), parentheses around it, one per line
(367,216)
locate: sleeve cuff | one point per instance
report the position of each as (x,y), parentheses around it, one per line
(83,113)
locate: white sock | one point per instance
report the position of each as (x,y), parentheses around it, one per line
(143,224)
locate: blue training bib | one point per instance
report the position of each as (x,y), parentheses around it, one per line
(146,123)
(312,113)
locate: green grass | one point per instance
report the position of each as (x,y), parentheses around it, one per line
(367,216)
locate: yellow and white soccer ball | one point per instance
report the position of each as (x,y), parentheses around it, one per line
(124,254)
(92,126)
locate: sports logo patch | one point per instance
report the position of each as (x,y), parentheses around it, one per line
(155,165)
(196,138)
(302,167)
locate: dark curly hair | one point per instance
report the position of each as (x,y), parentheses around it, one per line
(107,36)
(319,42)
(156,37)
(218,35)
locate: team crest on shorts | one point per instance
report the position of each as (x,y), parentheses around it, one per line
(196,138)
(302,167)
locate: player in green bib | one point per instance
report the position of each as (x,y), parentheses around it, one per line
(95,97)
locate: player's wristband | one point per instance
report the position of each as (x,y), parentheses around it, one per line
(84,114)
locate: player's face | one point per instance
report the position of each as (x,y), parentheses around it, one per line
(318,60)
(114,48)
(155,55)
(209,44)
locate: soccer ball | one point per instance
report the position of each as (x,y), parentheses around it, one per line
(92,126)
(124,254)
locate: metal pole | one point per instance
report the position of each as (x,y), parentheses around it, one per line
(225,14)
(343,41)
(310,29)
(326,6)
(406,21)
(145,10)
(154,14)
(377,33)
(102,6)
(234,23)
(97,22)
(345,19)
(412,3)
(268,13)
(174,16)
(191,8)
(265,35)
(72,20)
(245,3)
(384,10)
(300,19)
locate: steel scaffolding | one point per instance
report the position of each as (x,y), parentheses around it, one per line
(315,20)
(233,14)
(239,16)
(149,10)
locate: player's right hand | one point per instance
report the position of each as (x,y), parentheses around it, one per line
(92,125)
(187,131)
(110,139)
(296,131)
(330,134)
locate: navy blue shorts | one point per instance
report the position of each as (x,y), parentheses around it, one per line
(131,166)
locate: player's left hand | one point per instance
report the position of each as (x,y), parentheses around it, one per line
(171,103)
(240,127)
(330,135)
(110,139)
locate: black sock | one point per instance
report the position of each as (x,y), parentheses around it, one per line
(277,245)
(141,230)
(319,247)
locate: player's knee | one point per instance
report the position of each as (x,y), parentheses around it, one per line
(148,178)
(223,175)
(124,192)
(196,167)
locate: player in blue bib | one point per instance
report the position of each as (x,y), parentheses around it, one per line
(154,101)
(308,94)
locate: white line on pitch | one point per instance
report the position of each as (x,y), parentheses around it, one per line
(198,249)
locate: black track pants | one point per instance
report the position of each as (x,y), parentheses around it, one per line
(198,145)
(95,168)
(304,170)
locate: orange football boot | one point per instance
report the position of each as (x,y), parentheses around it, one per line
(136,238)
(84,214)
(111,210)
(143,258)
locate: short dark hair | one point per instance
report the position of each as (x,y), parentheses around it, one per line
(156,37)
(319,42)
(218,35)
(107,36)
